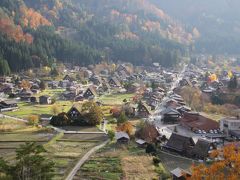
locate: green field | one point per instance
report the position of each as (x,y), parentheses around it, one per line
(51,92)
(101,168)
(26,109)
(115,99)
(101,165)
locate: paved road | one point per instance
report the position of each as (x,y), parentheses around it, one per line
(156,118)
(84,159)
(173,86)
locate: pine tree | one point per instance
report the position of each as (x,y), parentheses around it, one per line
(4,67)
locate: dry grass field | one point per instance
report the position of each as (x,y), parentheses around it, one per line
(138,167)
(7,124)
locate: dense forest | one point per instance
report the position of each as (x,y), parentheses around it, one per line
(35,33)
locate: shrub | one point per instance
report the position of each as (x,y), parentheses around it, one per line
(122,118)
(33,119)
(156,161)
(111,135)
(150,149)
(55,109)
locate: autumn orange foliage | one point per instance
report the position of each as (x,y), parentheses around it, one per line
(126,127)
(13,31)
(32,18)
(25,84)
(212,77)
(226,166)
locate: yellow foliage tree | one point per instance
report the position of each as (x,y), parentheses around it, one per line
(213,77)
(126,127)
(25,84)
(230,74)
(193,97)
(226,165)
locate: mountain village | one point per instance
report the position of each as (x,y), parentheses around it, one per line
(162,120)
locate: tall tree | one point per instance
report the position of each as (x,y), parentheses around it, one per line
(92,112)
(4,67)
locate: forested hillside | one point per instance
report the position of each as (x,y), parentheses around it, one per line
(39,32)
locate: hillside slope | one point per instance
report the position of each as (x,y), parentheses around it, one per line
(85,32)
(217,20)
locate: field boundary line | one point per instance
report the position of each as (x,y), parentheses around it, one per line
(15,118)
(84,159)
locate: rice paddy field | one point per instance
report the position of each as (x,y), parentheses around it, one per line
(118,162)
(69,148)
(11,140)
(64,149)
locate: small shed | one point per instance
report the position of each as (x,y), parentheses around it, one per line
(180,174)
(141,143)
(122,137)
(45,99)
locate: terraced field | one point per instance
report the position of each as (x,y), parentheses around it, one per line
(67,150)
(10,141)
(64,149)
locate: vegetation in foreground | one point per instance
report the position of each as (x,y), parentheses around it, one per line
(30,164)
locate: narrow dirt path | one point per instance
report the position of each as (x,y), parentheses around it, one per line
(84,159)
